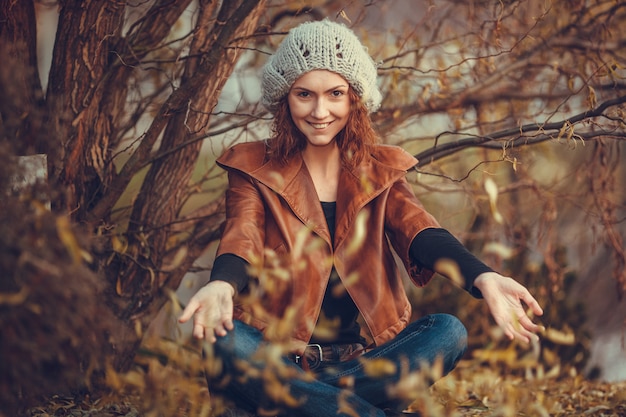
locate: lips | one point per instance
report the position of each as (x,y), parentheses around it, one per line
(320,125)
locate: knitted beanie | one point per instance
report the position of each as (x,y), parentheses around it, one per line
(321,45)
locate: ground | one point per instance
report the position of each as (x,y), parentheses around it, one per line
(174,387)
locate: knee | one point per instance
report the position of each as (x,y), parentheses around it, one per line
(455,327)
(239,343)
(456,335)
(221,358)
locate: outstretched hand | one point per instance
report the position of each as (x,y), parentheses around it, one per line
(504,297)
(212,311)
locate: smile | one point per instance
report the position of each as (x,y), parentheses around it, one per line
(319,125)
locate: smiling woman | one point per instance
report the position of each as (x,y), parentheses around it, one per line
(319,106)
(313,216)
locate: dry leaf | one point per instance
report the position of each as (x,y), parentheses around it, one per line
(14,298)
(343,14)
(559,337)
(492,192)
(473,403)
(378,368)
(499,249)
(68,238)
(358,237)
(450,269)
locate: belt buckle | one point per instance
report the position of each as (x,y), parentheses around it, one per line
(297,358)
(319,348)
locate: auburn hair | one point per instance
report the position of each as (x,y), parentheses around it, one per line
(353,140)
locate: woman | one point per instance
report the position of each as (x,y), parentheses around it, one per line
(312,217)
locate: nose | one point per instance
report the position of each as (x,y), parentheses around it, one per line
(320,110)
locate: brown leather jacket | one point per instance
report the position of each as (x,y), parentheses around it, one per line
(274,221)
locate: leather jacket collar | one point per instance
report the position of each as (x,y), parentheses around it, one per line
(292,181)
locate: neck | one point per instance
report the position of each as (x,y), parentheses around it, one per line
(323,164)
(323,160)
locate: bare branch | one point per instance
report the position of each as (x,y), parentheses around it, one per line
(440,151)
(175,103)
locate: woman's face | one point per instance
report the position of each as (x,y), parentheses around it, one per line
(319,105)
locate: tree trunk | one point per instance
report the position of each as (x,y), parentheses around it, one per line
(86,31)
(21,106)
(141,275)
(85,115)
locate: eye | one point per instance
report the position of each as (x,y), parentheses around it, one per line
(337,93)
(304,94)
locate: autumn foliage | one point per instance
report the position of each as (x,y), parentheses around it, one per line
(515,110)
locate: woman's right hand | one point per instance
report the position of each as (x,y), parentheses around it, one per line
(212,311)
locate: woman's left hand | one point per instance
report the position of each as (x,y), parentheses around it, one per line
(504,297)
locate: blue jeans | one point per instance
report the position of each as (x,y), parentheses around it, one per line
(255,375)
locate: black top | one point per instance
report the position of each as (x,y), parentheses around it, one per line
(338,310)
(339,313)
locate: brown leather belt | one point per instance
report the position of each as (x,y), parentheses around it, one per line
(314,355)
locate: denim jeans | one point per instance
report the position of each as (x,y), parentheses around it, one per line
(254,375)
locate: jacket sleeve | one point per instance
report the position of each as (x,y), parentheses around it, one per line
(244,229)
(405,217)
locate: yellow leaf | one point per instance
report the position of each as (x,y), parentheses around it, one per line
(68,239)
(563,130)
(559,337)
(592,100)
(345,16)
(554,372)
(112,378)
(378,368)
(450,269)
(119,243)
(550,357)
(507,356)
(473,403)
(278,391)
(492,192)
(174,300)
(179,258)
(280,180)
(570,132)
(300,244)
(408,386)
(326,328)
(135,378)
(351,279)
(86,256)
(138,328)
(499,249)
(14,298)
(358,236)
(344,405)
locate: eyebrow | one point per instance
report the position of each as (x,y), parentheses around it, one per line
(330,89)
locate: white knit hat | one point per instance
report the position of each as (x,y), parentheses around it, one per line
(320,45)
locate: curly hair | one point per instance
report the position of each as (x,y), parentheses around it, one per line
(353,140)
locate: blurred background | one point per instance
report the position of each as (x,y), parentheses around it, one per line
(515,110)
